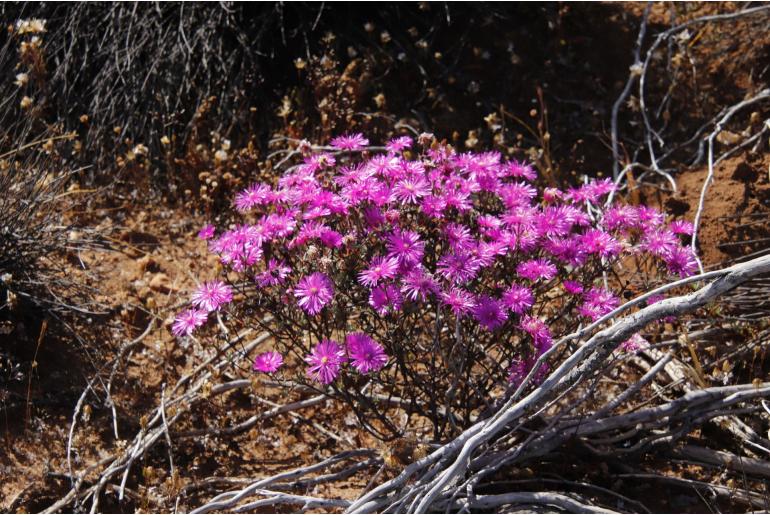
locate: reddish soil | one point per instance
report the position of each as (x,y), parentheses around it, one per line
(736,207)
(149,259)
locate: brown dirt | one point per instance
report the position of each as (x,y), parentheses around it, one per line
(149,259)
(736,208)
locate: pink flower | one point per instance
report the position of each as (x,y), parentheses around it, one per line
(459,237)
(385,299)
(517,169)
(276,273)
(380,268)
(598,302)
(319,161)
(189,320)
(489,312)
(206,232)
(268,362)
(433,206)
(539,332)
(418,284)
(325,361)
(682,227)
(516,194)
(518,299)
(279,225)
(599,243)
(681,261)
(536,269)
(398,144)
(635,343)
(573,287)
(365,354)
(659,243)
(620,217)
(459,301)
(519,369)
(211,295)
(410,190)
(331,239)
(406,246)
(254,195)
(373,217)
(458,267)
(314,292)
(349,142)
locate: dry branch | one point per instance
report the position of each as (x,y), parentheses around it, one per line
(434,478)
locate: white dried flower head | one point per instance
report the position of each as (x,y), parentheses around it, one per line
(220,156)
(165,141)
(311,252)
(26,102)
(32,26)
(141,150)
(425,139)
(22,79)
(305,148)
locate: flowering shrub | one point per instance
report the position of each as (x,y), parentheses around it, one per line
(423,274)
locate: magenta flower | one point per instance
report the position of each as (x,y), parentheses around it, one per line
(566,250)
(349,142)
(433,206)
(252,196)
(682,227)
(279,225)
(405,246)
(189,320)
(536,269)
(314,292)
(331,239)
(380,268)
(659,243)
(373,217)
(517,371)
(365,354)
(598,302)
(522,170)
(206,232)
(681,261)
(418,284)
(459,301)
(489,312)
(458,267)
(276,273)
(539,332)
(325,361)
(319,161)
(268,362)
(573,287)
(620,217)
(518,299)
(386,299)
(211,295)
(635,343)
(398,144)
(599,243)
(411,189)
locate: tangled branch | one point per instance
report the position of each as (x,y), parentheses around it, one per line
(462,464)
